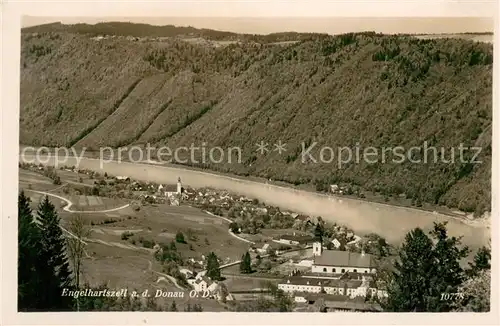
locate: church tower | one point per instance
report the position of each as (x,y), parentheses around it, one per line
(179,186)
(317,249)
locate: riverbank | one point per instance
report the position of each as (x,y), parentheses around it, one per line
(391,222)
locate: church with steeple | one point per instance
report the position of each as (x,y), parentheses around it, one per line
(172,190)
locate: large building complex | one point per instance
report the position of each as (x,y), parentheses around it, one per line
(344,273)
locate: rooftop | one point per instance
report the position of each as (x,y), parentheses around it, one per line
(353,305)
(170,188)
(344,258)
(344,302)
(299,238)
(326,282)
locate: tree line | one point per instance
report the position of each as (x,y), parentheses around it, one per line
(429,275)
(50,263)
(428,265)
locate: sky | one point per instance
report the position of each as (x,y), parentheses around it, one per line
(330,25)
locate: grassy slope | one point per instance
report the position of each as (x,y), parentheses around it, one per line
(381,91)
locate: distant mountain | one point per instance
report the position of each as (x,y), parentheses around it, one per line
(145,30)
(237,90)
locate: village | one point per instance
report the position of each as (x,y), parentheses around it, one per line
(318,265)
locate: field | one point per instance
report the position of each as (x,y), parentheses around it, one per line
(119,249)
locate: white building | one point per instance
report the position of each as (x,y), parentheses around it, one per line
(172,190)
(202,284)
(350,288)
(334,262)
(336,243)
(264,248)
(295,239)
(187,273)
(300,298)
(305,263)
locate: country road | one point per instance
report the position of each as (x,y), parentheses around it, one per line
(69,203)
(231,233)
(391,222)
(85,241)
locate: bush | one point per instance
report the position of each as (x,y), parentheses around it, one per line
(135,206)
(57,180)
(179,237)
(126,235)
(234,227)
(147,244)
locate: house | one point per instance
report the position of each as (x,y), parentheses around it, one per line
(335,261)
(334,188)
(187,273)
(261,210)
(319,285)
(303,218)
(202,284)
(336,243)
(173,190)
(305,263)
(342,303)
(350,288)
(264,248)
(300,298)
(291,214)
(174,201)
(295,239)
(352,306)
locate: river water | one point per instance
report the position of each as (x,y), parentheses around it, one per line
(390,222)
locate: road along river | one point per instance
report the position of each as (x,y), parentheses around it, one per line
(390,222)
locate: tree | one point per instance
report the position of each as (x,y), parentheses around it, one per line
(213,267)
(320,306)
(425,270)
(223,292)
(272,255)
(57,276)
(265,265)
(319,232)
(481,262)
(28,262)
(173,307)
(246,263)
(76,248)
(474,293)
(282,301)
(179,237)
(234,227)
(447,274)
(258,260)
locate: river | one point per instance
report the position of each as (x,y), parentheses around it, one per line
(390,222)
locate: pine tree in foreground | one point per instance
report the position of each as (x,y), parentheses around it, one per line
(57,276)
(425,270)
(28,260)
(481,262)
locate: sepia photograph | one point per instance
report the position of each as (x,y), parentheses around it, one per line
(255,164)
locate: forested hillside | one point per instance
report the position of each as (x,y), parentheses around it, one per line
(225,90)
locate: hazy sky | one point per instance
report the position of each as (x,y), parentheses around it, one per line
(331,25)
